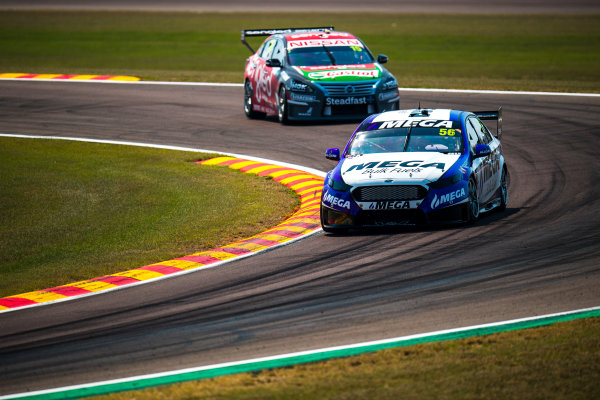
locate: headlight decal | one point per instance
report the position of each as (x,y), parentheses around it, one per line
(447,181)
(298,86)
(390,85)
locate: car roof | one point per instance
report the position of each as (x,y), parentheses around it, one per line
(328,38)
(421,116)
(316,35)
(420,113)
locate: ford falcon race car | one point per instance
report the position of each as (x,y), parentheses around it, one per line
(412,167)
(315,74)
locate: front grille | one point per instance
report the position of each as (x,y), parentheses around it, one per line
(343,89)
(389,192)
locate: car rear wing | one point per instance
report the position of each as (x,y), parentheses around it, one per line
(492,115)
(268,32)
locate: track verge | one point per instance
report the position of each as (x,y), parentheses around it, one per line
(305,221)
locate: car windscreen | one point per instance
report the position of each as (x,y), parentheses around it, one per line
(329,55)
(444,140)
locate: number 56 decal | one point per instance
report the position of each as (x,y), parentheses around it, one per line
(447,132)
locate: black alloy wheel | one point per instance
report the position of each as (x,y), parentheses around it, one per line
(503,191)
(250,113)
(473,203)
(282,109)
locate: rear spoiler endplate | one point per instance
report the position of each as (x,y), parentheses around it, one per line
(492,115)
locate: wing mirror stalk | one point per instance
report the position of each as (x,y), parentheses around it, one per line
(273,63)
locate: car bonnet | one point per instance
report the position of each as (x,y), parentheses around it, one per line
(389,168)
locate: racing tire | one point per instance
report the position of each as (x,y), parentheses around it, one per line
(503,191)
(473,206)
(282,106)
(250,113)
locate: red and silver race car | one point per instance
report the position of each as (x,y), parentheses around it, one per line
(315,74)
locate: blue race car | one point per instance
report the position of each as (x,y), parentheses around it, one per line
(412,167)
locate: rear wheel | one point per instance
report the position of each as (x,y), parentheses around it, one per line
(503,191)
(473,203)
(282,107)
(250,113)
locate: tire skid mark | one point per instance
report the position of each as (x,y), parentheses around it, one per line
(305,220)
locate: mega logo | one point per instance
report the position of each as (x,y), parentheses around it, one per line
(392,164)
(413,123)
(389,205)
(447,198)
(336,201)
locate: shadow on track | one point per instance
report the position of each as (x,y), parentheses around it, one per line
(485,219)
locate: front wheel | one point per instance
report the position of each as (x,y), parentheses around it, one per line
(473,203)
(282,106)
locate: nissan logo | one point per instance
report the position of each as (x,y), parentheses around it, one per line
(349,89)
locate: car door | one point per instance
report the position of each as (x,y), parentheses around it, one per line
(495,162)
(258,74)
(273,72)
(478,165)
(490,165)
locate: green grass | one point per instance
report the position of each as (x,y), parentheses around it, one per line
(560,361)
(73,211)
(509,52)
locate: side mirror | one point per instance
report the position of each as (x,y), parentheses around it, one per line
(482,150)
(382,58)
(333,154)
(273,62)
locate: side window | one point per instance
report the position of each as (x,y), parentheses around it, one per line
(472,134)
(279,51)
(488,134)
(267,49)
(482,131)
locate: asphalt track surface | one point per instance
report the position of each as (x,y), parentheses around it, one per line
(540,256)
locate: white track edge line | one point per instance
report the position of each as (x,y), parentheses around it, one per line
(466,91)
(297,354)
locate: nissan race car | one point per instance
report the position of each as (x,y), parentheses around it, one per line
(315,74)
(412,167)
